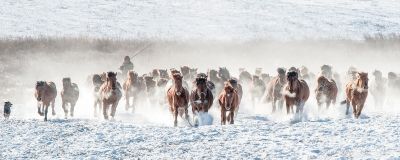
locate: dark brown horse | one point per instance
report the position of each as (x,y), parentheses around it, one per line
(378,88)
(97,81)
(228,101)
(131,88)
(45,94)
(296,92)
(110,93)
(69,95)
(356,93)
(326,91)
(257,89)
(275,89)
(178,98)
(201,98)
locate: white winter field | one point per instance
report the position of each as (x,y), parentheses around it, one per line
(49,40)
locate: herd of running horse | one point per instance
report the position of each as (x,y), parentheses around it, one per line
(185,87)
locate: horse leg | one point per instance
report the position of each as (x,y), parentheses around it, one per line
(176,116)
(353,103)
(113,109)
(64,106)
(40,112)
(347,107)
(127,105)
(319,105)
(287,107)
(105,110)
(95,108)
(359,109)
(72,108)
(273,106)
(231,114)
(53,103)
(280,103)
(45,111)
(328,103)
(223,116)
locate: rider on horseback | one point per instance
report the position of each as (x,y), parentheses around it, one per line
(126,66)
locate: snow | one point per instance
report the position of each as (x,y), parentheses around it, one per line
(149,133)
(253,137)
(206,19)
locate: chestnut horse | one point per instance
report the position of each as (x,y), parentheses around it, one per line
(239,90)
(69,95)
(326,91)
(46,93)
(356,93)
(229,101)
(296,92)
(110,94)
(131,88)
(178,98)
(275,88)
(201,98)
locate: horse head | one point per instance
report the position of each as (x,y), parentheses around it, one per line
(155,73)
(229,95)
(292,77)
(223,73)
(40,87)
(201,83)
(322,82)
(362,80)
(185,70)
(178,83)
(163,73)
(112,79)
(132,76)
(66,82)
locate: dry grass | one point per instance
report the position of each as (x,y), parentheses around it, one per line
(108,45)
(62,44)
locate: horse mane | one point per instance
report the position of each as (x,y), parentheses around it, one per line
(292,74)
(111,74)
(40,83)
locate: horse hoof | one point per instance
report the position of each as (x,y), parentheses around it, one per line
(54,113)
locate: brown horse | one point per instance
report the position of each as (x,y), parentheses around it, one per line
(131,88)
(201,98)
(326,91)
(275,88)
(296,92)
(110,94)
(178,98)
(356,94)
(69,95)
(239,90)
(46,93)
(229,101)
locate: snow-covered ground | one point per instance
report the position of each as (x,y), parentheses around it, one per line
(206,19)
(253,136)
(148,133)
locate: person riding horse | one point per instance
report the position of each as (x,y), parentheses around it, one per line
(126,66)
